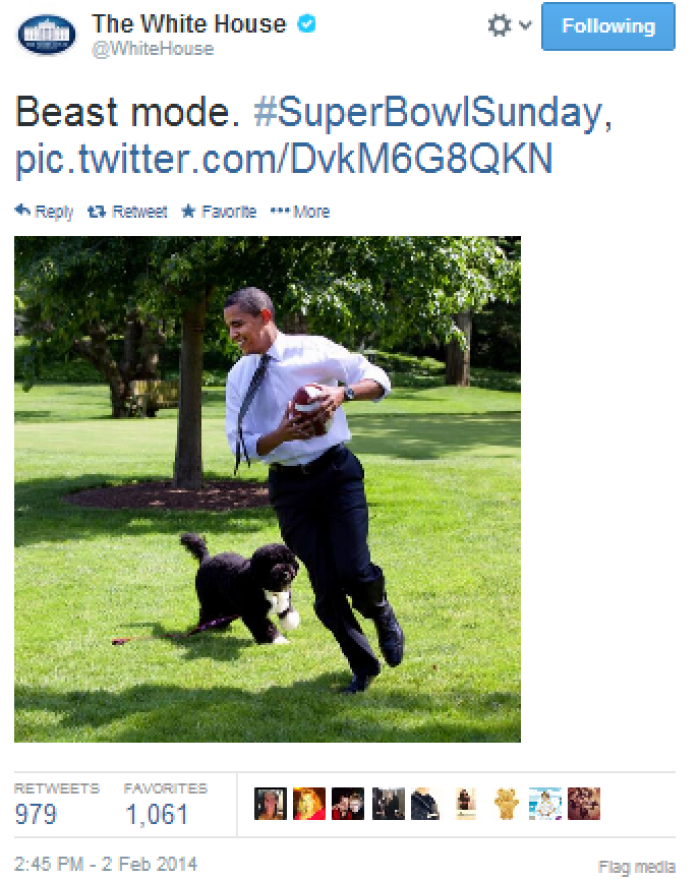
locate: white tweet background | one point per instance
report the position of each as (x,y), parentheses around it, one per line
(610,319)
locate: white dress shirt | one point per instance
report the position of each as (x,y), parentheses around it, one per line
(294,361)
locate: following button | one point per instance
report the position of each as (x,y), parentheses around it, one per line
(611,27)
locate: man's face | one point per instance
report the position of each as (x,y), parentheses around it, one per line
(248,330)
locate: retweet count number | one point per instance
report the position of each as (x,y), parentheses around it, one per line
(35,813)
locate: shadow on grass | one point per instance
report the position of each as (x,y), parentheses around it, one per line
(47,416)
(207,646)
(32,415)
(433,435)
(42,515)
(307,711)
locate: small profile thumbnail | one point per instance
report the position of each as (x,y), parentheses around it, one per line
(506,800)
(545,804)
(584,804)
(425,804)
(309,803)
(466,803)
(388,804)
(348,804)
(270,804)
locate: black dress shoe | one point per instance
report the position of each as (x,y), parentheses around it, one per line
(390,634)
(359,683)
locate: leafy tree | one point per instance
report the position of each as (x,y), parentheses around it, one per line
(185,274)
(496,338)
(79,295)
(490,272)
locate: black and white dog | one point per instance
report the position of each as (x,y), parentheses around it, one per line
(229,585)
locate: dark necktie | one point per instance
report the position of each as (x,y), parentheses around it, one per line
(255,383)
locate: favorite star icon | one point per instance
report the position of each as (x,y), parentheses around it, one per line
(188,212)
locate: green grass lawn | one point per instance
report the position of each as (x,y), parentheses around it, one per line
(443,484)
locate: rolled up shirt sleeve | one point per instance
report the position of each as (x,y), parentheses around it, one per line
(350,368)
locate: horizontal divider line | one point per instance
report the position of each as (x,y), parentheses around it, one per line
(464,836)
(346,771)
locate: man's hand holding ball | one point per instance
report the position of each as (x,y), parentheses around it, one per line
(292,427)
(309,413)
(315,404)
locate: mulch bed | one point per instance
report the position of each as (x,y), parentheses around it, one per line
(220,495)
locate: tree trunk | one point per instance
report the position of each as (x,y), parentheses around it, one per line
(97,352)
(457,372)
(143,339)
(152,339)
(132,336)
(295,324)
(187,471)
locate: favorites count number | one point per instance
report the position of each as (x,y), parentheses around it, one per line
(157,814)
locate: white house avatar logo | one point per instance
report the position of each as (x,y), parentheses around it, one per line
(46,34)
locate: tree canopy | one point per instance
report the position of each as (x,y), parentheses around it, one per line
(362,290)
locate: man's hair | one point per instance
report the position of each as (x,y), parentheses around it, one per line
(251,300)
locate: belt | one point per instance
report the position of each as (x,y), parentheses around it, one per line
(311,467)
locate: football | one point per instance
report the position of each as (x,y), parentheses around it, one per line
(305,403)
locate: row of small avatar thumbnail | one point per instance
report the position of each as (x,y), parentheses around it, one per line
(423,803)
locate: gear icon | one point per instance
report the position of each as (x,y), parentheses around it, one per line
(499,25)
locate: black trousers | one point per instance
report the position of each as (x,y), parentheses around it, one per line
(323,519)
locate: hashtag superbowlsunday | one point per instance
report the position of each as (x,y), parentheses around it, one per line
(395,112)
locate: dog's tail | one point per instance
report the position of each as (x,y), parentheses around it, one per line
(196,545)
